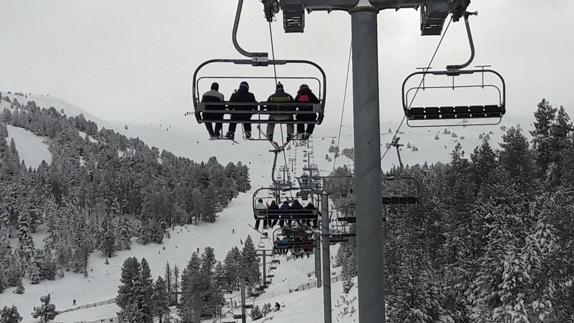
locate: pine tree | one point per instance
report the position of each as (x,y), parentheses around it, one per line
(19,287)
(176,284)
(256,313)
(232,267)
(10,315)
(168,282)
(145,293)
(47,311)
(250,265)
(160,299)
(189,286)
(545,116)
(516,159)
(127,292)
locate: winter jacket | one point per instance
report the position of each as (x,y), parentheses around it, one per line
(296,205)
(273,206)
(243,95)
(212,96)
(284,206)
(283,97)
(260,206)
(305,95)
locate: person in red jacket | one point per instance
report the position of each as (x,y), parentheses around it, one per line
(305,95)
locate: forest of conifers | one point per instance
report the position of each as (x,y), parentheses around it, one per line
(100,191)
(492,239)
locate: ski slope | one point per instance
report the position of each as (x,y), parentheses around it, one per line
(32,149)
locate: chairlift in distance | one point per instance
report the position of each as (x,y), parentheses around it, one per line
(285,239)
(301,216)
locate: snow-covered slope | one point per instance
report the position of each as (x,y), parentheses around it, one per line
(31,148)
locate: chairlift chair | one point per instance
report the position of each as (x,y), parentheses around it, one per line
(487,112)
(407,194)
(301,215)
(297,239)
(259,109)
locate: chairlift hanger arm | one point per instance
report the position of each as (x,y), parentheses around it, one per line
(456,68)
(255,56)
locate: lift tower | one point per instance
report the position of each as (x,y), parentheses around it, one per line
(366,119)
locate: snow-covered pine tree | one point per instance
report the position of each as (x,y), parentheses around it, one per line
(232,267)
(47,311)
(25,243)
(127,291)
(10,315)
(145,292)
(160,299)
(189,286)
(249,262)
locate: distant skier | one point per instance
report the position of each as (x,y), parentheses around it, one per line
(277,306)
(74,302)
(233,231)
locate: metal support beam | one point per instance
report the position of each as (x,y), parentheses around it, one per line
(243,314)
(318,259)
(264,284)
(325,245)
(367,163)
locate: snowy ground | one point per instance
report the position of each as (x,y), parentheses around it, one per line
(32,149)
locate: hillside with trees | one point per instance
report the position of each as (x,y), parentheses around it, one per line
(492,239)
(102,192)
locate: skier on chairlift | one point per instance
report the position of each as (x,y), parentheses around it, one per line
(305,95)
(310,206)
(213,95)
(241,95)
(280,96)
(259,206)
(273,206)
(284,206)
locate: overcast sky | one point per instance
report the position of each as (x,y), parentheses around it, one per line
(132,60)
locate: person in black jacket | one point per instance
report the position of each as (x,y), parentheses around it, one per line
(311,207)
(305,95)
(213,95)
(242,95)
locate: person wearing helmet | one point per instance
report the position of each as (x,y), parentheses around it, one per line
(243,96)
(280,96)
(213,95)
(305,95)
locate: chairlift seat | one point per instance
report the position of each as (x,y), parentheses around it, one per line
(294,245)
(302,214)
